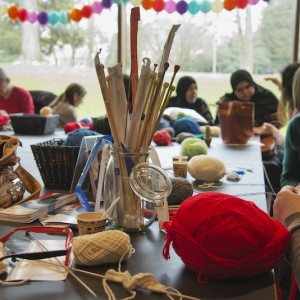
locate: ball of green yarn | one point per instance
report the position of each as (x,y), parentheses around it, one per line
(193,146)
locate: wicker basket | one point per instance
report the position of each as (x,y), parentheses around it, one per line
(55,162)
(33,124)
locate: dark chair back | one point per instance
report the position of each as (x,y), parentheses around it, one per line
(41,99)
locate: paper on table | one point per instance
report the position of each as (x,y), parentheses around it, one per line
(36,270)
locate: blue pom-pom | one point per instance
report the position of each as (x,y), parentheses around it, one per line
(186,124)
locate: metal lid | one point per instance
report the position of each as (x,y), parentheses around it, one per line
(150,182)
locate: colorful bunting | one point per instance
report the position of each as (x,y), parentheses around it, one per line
(87,11)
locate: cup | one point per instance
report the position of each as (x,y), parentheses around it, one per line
(91,222)
(180,166)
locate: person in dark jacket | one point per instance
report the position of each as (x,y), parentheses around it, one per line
(186,97)
(244,88)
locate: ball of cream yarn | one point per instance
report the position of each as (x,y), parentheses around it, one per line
(102,248)
(206,168)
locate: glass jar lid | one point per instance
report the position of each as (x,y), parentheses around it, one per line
(150,182)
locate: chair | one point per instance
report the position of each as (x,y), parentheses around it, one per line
(41,99)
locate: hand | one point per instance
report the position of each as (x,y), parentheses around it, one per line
(266,128)
(275,81)
(3,113)
(287,202)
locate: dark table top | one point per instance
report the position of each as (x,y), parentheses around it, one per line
(149,244)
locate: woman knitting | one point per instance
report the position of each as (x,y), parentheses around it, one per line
(245,89)
(186,97)
(65,104)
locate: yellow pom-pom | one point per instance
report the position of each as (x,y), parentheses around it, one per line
(46,111)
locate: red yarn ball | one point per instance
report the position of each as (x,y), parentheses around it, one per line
(222,236)
(71,126)
(162,138)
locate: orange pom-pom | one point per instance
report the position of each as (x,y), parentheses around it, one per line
(75,15)
(147,4)
(13,12)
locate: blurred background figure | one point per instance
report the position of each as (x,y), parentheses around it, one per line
(244,88)
(186,97)
(66,103)
(14,99)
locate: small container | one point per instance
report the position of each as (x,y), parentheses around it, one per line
(91,222)
(180,166)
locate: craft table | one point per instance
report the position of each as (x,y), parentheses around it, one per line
(149,244)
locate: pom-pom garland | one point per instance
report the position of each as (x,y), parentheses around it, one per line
(87,11)
(162,138)
(222,236)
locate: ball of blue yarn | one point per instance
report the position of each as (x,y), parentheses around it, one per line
(75,137)
(186,124)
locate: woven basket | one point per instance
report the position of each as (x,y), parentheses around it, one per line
(33,124)
(55,162)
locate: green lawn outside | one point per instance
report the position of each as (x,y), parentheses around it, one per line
(50,78)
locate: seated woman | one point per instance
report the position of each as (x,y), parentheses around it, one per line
(65,104)
(186,97)
(244,88)
(291,161)
(14,99)
(286,106)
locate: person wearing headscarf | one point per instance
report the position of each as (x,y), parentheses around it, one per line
(244,88)
(14,99)
(186,97)
(66,103)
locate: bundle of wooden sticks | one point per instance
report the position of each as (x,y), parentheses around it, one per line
(149,93)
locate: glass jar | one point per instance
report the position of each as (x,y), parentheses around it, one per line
(131,212)
(138,185)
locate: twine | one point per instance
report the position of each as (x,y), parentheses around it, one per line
(102,247)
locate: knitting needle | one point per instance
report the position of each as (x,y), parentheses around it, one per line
(61,264)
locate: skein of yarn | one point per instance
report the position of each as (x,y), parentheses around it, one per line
(101,248)
(206,168)
(222,236)
(181,190)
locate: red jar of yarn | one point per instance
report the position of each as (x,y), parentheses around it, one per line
(222,236)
